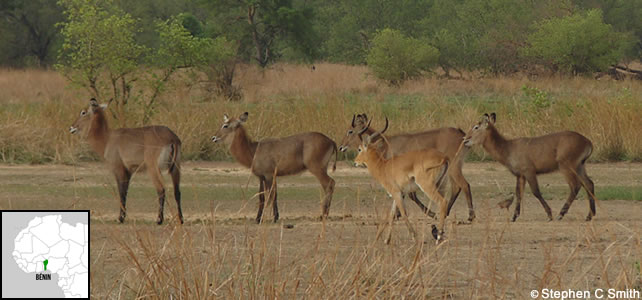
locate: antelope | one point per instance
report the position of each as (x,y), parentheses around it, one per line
(271,158)
(446,140)
(566,151)
(400,174)
(129,150)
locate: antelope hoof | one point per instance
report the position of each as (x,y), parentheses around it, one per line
(121,218)
(514,218)
(589,218)
(471,217)
(550,218)
(435,232)
(159,221)
(560,217)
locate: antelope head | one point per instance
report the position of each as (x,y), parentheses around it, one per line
(480,131)
(353,137)
(365,152)
(229,126)
(83,121)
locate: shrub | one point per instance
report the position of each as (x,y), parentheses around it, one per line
(579,43)
(396,58)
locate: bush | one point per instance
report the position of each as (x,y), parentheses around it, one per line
(579,43)
(396,58)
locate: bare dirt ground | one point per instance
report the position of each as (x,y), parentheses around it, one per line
(221,252)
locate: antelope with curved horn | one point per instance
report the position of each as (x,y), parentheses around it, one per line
(446,140)
(271,158)
(129,150)
(423,170)
(566,151)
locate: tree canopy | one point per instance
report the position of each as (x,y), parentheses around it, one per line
(491,36)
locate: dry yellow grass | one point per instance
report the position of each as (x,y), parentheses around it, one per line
(37,108)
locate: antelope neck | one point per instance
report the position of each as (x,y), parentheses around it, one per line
(496,145)
(98,134)
(242,148)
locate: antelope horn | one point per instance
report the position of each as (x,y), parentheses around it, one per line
(353,116)
(385,128)
(365,128)
(378,134)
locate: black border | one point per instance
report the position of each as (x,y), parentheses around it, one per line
(2,211)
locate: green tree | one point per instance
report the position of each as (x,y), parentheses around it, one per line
(265,27)
(99,51)
(27,32)
(624,16)
(579,43)
(396,58)
(347,27)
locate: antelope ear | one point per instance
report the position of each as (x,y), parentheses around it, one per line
(485,118)
(226,118)
(243,117)
(366,140)
(493,118)
(93,104)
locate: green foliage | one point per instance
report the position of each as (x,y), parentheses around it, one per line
(396,58)
(28,37)
(99,51)
(264,28)
(347,27)
(579,43)
(540,99)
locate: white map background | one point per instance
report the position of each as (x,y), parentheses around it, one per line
(18,280)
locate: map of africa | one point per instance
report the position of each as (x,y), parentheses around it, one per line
(50,250)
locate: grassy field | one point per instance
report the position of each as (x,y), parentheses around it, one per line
(37,108)
(221,253)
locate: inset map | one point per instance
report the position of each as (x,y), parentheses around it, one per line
(45,254)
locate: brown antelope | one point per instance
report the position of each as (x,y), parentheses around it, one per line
(271,158)
(446,140)
(400,174)
(129,150)
(566,151)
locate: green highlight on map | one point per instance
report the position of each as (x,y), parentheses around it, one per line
(45,263)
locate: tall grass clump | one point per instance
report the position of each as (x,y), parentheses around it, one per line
(288,99)
(209,259)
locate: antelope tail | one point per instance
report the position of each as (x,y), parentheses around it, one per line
(443,172)
(175,148)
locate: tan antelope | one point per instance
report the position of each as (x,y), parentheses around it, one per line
(446,140)
(566,151)
(270,158)
(405,173)
(129,150)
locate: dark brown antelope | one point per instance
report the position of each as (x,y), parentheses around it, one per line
(566,151)
(446,140)
(129,150)
(407,172)
(270,158)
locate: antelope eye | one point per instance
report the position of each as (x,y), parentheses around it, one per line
(476,127)
(82,113)
(226,125)
(350,132)
(359,149)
